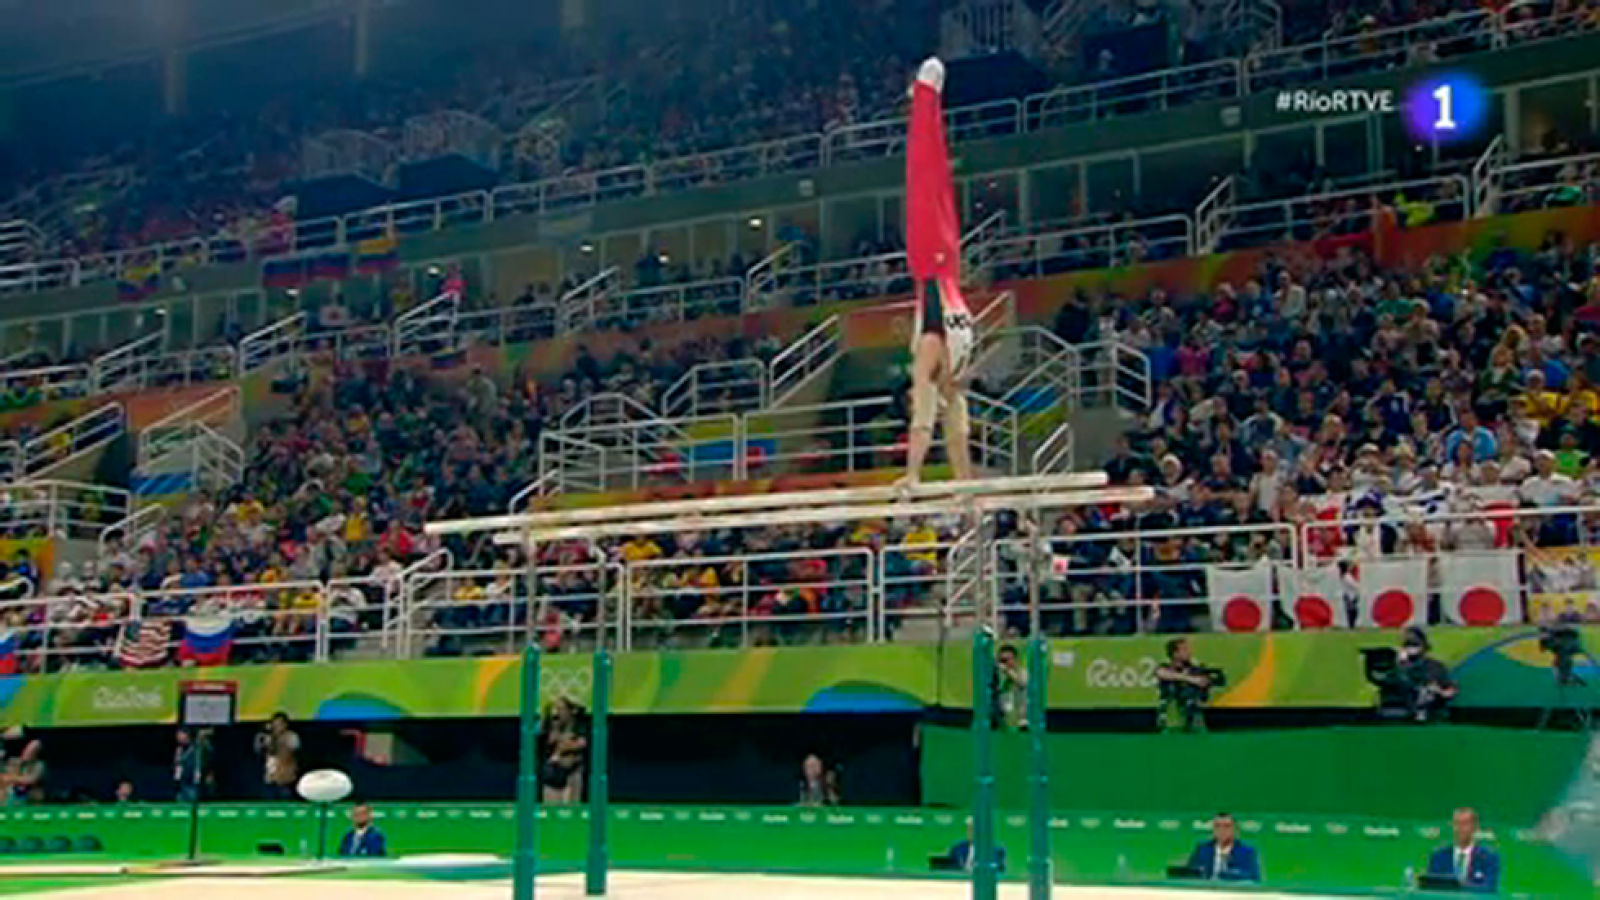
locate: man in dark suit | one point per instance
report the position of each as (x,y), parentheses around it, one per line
(1475,867)
(1224,857)
(960,855)
(363,838)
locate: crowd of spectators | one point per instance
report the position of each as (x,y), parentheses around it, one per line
(1320,389)
(1324,389)
(762,72)
(337,491)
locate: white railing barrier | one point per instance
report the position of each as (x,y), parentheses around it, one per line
(266,346)
(1310,63)
(61,509)
(570,465)
(48,382)
(578,308)
(620,311)
(700,448)
(1130,582)
(1151,92)
(1569,180)
(119,367)
(545,485)
(1211,216)
(978,248)
(428,329)
(607,409)
(132,527)
(996,435)
(401,595)
(1056,453)
(215,410)
(1486,176)
(732,386)
(1295,218)
(11,462)
(85,434)
(771,596)
(797,364)
(762,279)
(1097,246)
(1340,56)
(913,588)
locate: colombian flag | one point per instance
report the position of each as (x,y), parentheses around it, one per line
(377,255)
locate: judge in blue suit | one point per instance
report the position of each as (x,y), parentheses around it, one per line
(363,838)
(1224,857)
(961,855)
(1475,867)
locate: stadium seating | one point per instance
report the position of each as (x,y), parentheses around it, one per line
(1327,408)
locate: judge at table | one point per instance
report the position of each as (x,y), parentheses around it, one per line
(363,838)
(1224,857)
(1473,866)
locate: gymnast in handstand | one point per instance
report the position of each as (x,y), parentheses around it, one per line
(942,342)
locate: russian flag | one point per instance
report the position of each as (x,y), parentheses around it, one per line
(286,272)
(207,640)
(330,265)
(8,653)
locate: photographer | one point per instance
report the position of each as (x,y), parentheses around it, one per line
(279,749)
(1184,687)
(1010,691)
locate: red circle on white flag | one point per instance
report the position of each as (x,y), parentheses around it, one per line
(1393,608)
(1313,611)
(1241,613)
(1482,606)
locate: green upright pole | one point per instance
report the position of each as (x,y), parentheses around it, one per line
(1039,777)
(599,777)
(984,876)
(525,860)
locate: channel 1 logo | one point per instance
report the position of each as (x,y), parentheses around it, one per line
(1447,107)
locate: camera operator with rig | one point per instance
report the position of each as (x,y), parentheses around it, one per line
(1411,684)
(1184,686)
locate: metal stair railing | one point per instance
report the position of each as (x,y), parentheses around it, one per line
(427,329)
(807,357)
(736,385)
(73,440)
(215,410)
(579,309)
(266,346)
(120,367)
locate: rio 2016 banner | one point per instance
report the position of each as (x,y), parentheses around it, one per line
(1496,667)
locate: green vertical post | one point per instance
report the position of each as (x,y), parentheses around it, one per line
(1039,770)
(525,859)
(984,877)
(594,881)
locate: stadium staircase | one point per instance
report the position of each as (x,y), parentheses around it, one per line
(197,447)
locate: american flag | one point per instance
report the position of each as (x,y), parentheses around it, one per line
(143,645)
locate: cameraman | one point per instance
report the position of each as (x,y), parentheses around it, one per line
(1423,683)
(1183,686)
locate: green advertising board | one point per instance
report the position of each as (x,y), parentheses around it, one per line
(1495,667)
(1391,772)
(1326,854)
